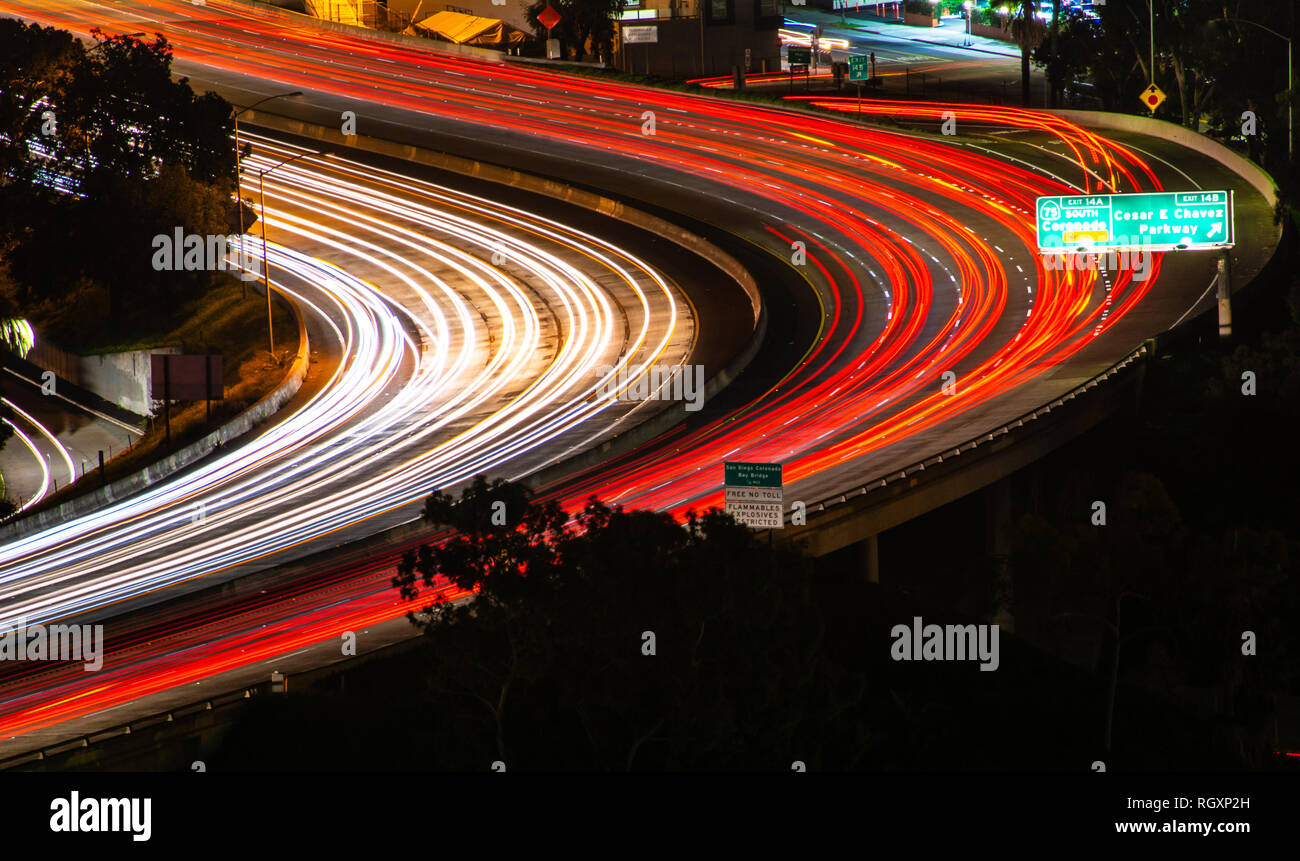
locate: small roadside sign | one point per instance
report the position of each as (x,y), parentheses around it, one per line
(858,69)
(641,35)
(753,494)
(1152,97)
(548,17)
(798,56)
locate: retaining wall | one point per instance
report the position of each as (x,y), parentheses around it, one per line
(1244,167)
(156,472)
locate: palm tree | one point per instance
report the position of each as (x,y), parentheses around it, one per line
(15,336)
(1027,31)
(15,333)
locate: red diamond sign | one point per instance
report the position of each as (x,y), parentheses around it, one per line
(548,17)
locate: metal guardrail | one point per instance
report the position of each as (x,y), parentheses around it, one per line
(989,436)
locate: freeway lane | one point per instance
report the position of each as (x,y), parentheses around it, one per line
(918,253)
(457,365)
(892,267)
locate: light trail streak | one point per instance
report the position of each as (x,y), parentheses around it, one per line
(465,405)
(44,486)
(920,254)
(59,448)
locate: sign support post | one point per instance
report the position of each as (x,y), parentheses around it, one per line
(1224,294)
(858,70)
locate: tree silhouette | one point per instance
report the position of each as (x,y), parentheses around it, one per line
(1027,31)
(620,640)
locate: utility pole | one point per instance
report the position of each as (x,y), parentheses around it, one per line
(239,177)
(1151,25)
(699,8)
(266,269)
(1290,81)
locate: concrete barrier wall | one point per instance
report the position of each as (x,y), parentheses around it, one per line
(988,31)
(118,378)
(1183,136)
(156,472)
(914,19)
(121,378)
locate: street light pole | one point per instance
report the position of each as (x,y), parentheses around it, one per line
(266,272)
(1151,26)
(1290,111)
(266,269)
(239,176)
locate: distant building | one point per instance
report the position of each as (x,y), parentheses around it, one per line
(669,38)
(700,38)
(510,11)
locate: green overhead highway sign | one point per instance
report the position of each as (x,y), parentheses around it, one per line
(798,56)
(1158,221)
(858,69)
(741,474)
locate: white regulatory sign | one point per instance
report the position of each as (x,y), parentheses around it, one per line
(640,35)
(754,494)
(757,515)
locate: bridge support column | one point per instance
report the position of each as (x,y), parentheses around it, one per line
(869,554)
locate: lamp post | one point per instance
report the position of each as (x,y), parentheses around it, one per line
(1151,26)
(239,176)
(266,271)
(1290,126)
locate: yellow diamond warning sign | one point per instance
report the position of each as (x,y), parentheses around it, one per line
(1152,96)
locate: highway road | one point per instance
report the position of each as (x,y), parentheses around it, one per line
(456,366)
(919,260)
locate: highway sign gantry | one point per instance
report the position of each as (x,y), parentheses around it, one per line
(1157,221)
